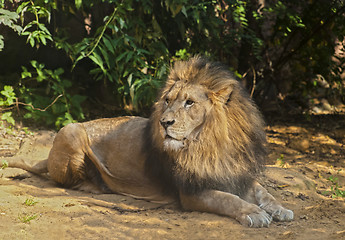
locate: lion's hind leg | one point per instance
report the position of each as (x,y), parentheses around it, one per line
(66,161)
(71,161)
(268,203)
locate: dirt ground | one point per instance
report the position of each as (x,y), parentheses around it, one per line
(306,165)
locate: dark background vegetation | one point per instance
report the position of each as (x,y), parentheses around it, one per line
(66,61)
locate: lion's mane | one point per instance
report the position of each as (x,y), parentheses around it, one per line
(230,149)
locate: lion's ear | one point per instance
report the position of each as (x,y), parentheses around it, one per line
(223,95)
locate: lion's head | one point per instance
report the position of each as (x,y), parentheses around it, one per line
(208,127)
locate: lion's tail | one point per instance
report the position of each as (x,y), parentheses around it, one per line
(18,162)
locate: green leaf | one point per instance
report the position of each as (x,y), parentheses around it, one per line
(122,23)
(6,14)
(9,94)
(4,164)
(25,33)
(120,56)
(7,116)
(34,63)
(25,73)
(81,56)
(22,7)
(68,119)
(129,56)
(43,40)
(98,60)
(108,45)
(129,79)
(28,115)
(184,11)
(59,71)
(32,41)
(105,56)
(42,27)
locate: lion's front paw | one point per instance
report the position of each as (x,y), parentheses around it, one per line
(256,219)
(278,212)
(283,215)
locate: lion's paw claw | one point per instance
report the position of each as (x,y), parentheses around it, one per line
(261,219)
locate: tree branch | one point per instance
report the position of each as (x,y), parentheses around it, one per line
(15,105)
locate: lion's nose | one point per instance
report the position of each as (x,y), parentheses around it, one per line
(166,123)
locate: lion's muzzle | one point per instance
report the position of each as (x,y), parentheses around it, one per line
(166,123)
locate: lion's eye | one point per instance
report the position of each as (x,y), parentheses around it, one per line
(189,103)
(167,101)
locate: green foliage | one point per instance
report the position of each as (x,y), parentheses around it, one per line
(280,161)
(121,60)
(30,202)
(4,164)
(7,116)
(27,218)
(7,99)
(9,19)
(302,44)
(127,46)
(335,188)
(35,30)
(45,92)
(9,96)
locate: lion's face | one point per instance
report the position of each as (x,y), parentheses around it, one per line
(185,108)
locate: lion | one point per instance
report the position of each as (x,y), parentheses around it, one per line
(203,146)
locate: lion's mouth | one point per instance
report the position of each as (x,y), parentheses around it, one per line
(171,143)
(169,137)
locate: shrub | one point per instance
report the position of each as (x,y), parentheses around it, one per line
(277,49)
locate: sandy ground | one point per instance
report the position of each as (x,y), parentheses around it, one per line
(303,156)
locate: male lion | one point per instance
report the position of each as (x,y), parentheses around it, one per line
(203,145)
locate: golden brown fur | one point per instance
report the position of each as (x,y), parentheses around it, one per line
(203,145)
